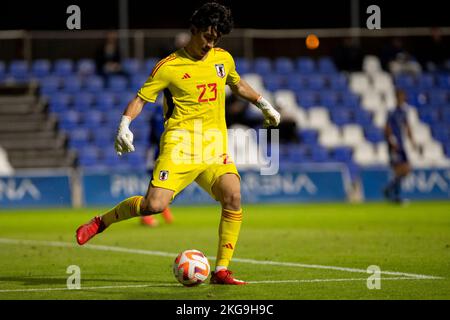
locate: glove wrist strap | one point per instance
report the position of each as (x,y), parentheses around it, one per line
(125,121)
(262,103)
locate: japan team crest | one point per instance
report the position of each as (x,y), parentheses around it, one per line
(220,69)
(163,175)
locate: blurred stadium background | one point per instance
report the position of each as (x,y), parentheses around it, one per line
(60,107)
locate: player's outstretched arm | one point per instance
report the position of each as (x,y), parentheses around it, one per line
(245,91)
(124,138)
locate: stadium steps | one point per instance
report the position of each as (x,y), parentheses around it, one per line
(28,134)
(25,159)
(26,123)
(36,140)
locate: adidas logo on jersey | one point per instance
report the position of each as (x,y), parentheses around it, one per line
(186,76)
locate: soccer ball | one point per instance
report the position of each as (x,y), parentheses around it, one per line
(191,268)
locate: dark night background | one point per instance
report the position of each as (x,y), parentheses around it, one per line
(280,14)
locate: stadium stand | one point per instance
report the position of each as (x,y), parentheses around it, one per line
(339,115)
(27,133)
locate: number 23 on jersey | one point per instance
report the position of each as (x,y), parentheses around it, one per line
(207,92)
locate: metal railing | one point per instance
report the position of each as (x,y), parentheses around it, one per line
(30,45)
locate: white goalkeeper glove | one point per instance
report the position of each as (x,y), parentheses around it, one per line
(271,116)
(124,138)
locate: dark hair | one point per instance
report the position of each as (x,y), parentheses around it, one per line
(215,15)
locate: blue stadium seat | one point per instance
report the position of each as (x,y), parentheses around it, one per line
(284,159)
(373,134)
(341,116)
(60,97)
(79,138)
(441,127)
(319,154)
(438,97)
(262,66)
(69,120)
(72,85)
(141,122)
(273,82)
(329,98)
(308,137)
(306,99)
(363,118)
(444,81)
(137,81)
(316,82)
(404,81)
(131,65)
(446,116)
(63,67)
(296,82)
(89,156)
(104,101)
(104,136)
(41,68)
(111,119)
(125,98)
(141,131)
(326,65)
(136,159)
(118,83)
(243,65)
(83,102)
(305,65)
(111,159)
(94,84)
(298,154)
(92,120)
(441,132)
(425,81)
(59,102)
(49,85)
(430,116)
(18,69)
(342,154)
(337,82)
(413,96)
(286,148)
(86,67)
(350,100)
(284,66)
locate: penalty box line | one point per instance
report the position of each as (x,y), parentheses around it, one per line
(171,255)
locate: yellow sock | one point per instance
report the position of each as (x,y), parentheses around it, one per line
(127,209)
(230,225)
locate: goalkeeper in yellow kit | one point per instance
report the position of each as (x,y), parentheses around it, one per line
(193,146)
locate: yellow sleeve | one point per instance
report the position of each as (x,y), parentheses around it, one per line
(233,77)
(157,81)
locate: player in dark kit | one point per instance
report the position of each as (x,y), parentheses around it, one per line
(395,129)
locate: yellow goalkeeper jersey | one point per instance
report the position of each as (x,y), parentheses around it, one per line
(194,100)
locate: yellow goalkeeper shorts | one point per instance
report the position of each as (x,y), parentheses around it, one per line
(176,177)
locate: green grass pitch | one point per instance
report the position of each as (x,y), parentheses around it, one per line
(286,251)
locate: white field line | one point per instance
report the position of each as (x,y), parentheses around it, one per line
(93,288)
(171,255)
(329,280)
(179,285)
